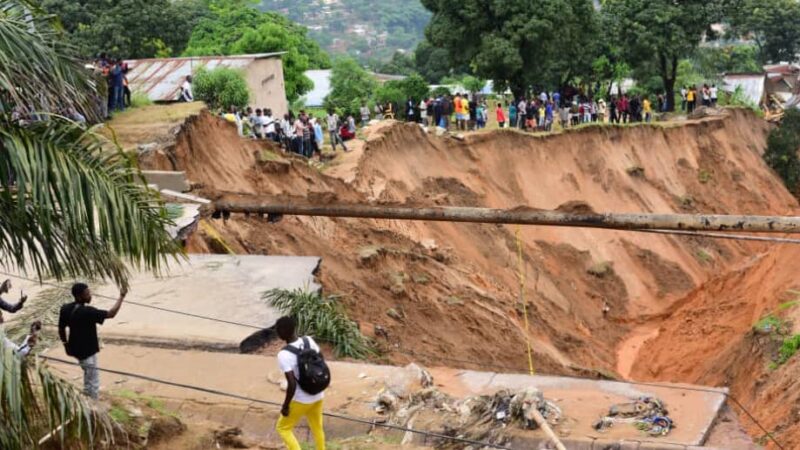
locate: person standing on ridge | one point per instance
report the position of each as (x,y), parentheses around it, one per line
(304,367)
(333,130)
(501,116)
(81,343)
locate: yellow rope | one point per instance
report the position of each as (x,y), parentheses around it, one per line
(521,275)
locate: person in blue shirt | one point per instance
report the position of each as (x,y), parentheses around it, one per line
(512,115)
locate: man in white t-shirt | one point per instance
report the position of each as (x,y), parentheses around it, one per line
(298,403)
(714,93)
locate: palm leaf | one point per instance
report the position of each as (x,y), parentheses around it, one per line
(324,318)
(34,402)
(37,70)
(73,204)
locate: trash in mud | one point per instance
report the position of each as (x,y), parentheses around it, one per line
(647,414)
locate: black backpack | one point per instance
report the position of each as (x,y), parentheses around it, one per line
(315,376)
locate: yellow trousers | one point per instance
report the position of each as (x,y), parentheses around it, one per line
(313,414)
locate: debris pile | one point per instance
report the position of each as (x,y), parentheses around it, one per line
(647,414)
(481,418)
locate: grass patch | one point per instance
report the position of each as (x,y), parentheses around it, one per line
(267,155)
(770,324)
(600,269)
(324,318)
(788,305)
(120,415)
(704,176)
(788,349)
(140,99)
(704,256)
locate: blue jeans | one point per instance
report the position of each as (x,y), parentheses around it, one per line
(119,98)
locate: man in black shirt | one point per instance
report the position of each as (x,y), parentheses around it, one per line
(82,344)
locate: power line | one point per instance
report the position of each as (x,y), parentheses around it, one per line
(490,368)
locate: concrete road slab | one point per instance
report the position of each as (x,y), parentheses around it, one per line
(227,287)
(356,386)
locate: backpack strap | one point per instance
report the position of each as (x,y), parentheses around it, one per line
(306,344)
(293,350)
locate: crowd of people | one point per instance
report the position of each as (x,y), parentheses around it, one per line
(708,96)
(115,72)
(303,134)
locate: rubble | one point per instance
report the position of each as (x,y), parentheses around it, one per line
(647,414)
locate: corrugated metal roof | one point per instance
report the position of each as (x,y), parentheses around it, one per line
(161,78)
(752,85)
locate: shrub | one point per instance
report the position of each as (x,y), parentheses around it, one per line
(221,88)
(789,348)
(322,317)
(782,146)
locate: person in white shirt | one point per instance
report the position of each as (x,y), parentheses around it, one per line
(269,125)
(186,90)
(298,403)
(22,350)
(714,93)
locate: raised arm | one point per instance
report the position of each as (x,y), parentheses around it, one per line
(115,309)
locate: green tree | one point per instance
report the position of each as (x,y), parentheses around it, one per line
(434,63)
(772,24)
(351,86)
(71,205)
(473,84)
(660,33)
(400,64)
(712,62)
(128,28)
(783,143)
(221,88)
(517,44)
(236,27)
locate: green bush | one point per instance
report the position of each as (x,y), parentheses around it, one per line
(221,88)
(322,317)
(782,146)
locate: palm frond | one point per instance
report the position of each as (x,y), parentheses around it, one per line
(37,70)
(72,204)
(34,403)
(324,318)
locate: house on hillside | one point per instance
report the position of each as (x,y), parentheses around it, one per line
(751,85)
(161,78)
(778,86)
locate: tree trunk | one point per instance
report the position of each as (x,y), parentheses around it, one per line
(668,76)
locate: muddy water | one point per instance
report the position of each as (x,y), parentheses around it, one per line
(628,350)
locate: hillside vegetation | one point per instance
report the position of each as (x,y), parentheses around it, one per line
(369,30)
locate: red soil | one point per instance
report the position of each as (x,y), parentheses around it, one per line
(451,290)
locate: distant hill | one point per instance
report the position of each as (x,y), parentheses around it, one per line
(366,29)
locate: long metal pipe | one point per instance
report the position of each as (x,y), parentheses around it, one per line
(522,216)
